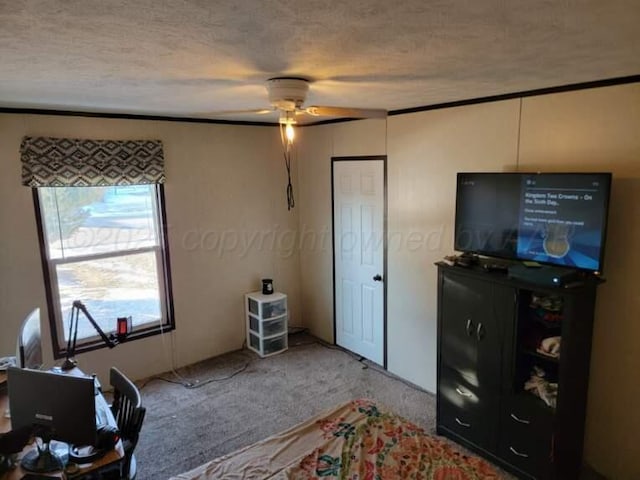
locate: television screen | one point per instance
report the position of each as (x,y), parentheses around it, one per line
(553,218)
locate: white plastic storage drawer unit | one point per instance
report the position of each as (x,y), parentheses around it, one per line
(267,322)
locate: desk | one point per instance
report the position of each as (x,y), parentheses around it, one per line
(113,456)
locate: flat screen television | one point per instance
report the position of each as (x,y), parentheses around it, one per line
(550,218)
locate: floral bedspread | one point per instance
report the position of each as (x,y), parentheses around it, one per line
(358,440)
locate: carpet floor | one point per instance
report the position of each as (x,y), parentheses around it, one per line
(237,399)
(240,399)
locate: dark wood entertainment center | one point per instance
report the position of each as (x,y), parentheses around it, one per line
(488,329)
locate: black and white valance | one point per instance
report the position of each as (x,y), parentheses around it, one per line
(72,162)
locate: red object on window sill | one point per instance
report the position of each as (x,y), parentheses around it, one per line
(123,328)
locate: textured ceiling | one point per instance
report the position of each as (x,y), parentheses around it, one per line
(192,57)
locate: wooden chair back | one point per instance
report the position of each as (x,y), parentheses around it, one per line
(129,414)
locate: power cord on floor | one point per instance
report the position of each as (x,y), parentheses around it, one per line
(198,383)
(366,365)
(193,384)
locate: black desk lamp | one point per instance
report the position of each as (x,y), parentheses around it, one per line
(77,307)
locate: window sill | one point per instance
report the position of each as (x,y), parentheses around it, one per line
(98,344)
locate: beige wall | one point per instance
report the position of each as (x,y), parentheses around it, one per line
(426,150)
(599,130)
(219,179)
(316,147)
(593,130)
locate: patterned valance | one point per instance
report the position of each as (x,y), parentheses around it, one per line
(72,162)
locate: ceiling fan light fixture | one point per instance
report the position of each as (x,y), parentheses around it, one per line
(288,120)
(289,132)
(287,96)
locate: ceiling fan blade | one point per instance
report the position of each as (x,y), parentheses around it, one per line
(256,111)
(345,112)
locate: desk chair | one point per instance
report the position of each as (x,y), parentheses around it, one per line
(129,414)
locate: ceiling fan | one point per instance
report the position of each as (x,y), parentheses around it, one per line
(287,96)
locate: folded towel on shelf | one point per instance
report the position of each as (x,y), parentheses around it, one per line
(539,386)
(550,346)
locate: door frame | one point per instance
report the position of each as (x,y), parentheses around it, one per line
(382,158)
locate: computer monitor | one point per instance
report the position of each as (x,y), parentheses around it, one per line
(29,343)
(57,406)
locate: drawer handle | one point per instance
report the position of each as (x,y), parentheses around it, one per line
(469,327)
(515,452)
(463,393)
(520,420)
(480,332)
(462,424)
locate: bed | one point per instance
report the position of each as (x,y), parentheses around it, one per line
(358,440)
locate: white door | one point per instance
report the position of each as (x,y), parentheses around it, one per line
(358,219)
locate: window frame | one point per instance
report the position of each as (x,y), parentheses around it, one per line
(164,281)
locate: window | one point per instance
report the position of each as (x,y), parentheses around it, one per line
(106,247)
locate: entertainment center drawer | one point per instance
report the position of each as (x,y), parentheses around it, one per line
(458,389)
(526,436)
(525,414)
(472,423)
(532,456)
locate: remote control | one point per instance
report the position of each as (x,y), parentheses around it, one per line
(495,267)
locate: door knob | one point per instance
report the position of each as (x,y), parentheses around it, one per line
(377,278)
